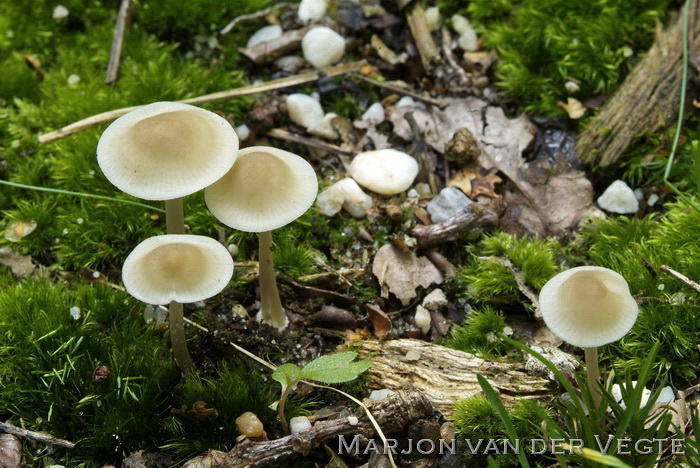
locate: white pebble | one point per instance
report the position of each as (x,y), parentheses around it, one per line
(265,34)
(460,24)
(324,128)
(432,18)
(422,319)
(80,220)
(344,194)
(385,171)
(374,114)
(73,79)
(435,300)
(468,40)
(653,198)
(60,12)
(298,424)
(311,11)
(379,395)
(667,395)
(75,312)
(412,193)
(352,420)
(233,249)
(619,198)
(322,47)
(572,87)
(405,101)
(95,274)
(243,132)
(304,110)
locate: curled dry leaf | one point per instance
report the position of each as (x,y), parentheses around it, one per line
(20,265)
(402,272)
(380,321)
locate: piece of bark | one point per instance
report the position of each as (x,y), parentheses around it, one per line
(115,53)
(647,101)
(285,44)
(443,374)
(415,17)
(476,215)
(393,414)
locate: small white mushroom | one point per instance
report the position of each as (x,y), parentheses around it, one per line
(619,198)
(264,34)
(177,267)
(311,11)
(385,171)
(322,46)
(304,110)
(166,150)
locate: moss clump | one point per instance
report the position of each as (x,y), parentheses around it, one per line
(544,44)
(475,418)
(479,334)
(487,279)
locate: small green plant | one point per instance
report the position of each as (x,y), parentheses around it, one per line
(479,334)
(333,368)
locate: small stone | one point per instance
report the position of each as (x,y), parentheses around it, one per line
(73,79)
(385,171)
(265,34)
(74,312)
(290,63)
(405,101)
(249,425)
(243,132)
(572,87)
(468,41)
(60,12)
(432,18)
(653,198)
(239,311)
(422,188)
(347,195)
(448,203)
(617,395)
(352,420)
(379,395)
(422,319)
(298,424)
(304,110)
(322,47)
(324,128)
(80,220)
(667,395)
(374,114)
(413,355)
(435,300)
(311,11)
(619,198)
(413,193)
(460,24)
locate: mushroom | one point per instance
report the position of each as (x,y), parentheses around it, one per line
(164,151)
(174,269)
(588,307)
(265,189)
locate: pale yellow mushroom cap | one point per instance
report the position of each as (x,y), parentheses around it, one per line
(166,150)
(588,306)
(177,267)
(265,189)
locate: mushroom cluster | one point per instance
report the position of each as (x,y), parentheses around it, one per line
(167,150)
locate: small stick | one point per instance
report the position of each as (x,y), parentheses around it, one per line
(415,16)
(440,103)
(593,375)
(280,134)
(118,41)
(522,286)
(38,436)
(259,14)
(108,116)
(680,277)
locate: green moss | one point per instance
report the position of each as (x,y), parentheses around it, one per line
(478,334)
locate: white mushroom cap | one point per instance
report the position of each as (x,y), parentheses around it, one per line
(385,171)
(588,306)
(265,189)
(177,267)
(322,46)
(166,150)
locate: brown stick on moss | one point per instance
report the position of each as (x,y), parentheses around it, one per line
(647,101)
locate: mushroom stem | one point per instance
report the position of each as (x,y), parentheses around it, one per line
(177,338)
(270,304)
(175,222)
(593,374)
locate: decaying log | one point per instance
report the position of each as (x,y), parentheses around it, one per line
(394,414)
(443,374)
(474,216)
(647,100)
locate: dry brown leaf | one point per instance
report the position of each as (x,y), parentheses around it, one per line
(34,63)
(20,265)
(463,180)
(573,107)
(401,273)
(486,186)
(380,321)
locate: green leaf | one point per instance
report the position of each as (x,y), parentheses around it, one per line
(596,456)
(287,375)
(495,401)
(335,368)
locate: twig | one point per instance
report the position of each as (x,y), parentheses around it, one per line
(108,116)
(440,103)
(447,51)
(118,41)
(258,14)
(415,15)
(285,135)
(680,277)
(286,44)
(38,436)
(520,281)
(473,216)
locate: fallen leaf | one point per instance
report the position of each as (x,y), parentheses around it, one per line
(380,321)
(573,107)
(463,180)
(33,63)
(16,230)
(401,273)
(486,186)
(20,265)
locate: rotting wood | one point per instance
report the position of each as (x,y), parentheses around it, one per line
(476,215)
(443,374)
(394,414)
(272,85)
(115,53)
(647,101)
(285,44)
(38,436)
